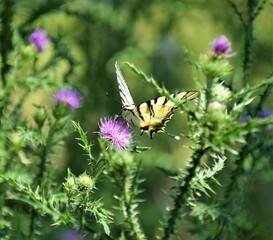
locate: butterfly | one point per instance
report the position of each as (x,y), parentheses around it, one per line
(151,116)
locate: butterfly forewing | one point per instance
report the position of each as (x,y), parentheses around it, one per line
(187,96)
(126,97)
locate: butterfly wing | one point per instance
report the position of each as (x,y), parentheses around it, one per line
(126,97)
(152,116)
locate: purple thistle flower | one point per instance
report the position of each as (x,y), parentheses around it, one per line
(69,97)
(39,39)
(115,132)
(71,235)
(265,113)
(221,46)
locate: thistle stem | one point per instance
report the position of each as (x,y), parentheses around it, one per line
(42,169)
(183,191)
(128,200)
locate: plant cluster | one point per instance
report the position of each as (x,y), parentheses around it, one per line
(230,130)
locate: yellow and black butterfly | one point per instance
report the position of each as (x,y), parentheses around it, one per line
(151,116)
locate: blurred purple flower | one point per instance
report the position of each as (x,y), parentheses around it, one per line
(69,97)
(265,113)
(114,131)
(72,235)
(221,46)
(39,39)
(245,118)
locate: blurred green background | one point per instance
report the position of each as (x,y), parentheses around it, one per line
(155,36)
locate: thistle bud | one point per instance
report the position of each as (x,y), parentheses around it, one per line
(216,112)
(220,93)
(85,182)
(40,117)
(70,186)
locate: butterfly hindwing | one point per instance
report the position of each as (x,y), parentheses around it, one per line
(153,115)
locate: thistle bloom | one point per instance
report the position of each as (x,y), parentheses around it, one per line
(39,39)
(265,113)
(69,97)
(221,46)
(72,235)
(114,131)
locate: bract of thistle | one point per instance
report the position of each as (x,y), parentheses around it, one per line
(220,92)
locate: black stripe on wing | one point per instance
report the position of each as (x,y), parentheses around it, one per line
(139,113)
(150,107)
(188,96)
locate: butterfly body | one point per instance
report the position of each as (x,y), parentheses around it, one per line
(151,116)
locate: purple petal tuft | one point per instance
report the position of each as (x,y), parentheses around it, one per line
(221,46)
(69,97)
(39,39)
(115,131)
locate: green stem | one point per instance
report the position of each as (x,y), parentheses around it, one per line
(6,37)
(183,192)
(249,41)
(39,179)
(92,231)
(130,209)
(126,179)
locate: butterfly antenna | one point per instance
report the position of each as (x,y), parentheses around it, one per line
(176,137)
(108,95)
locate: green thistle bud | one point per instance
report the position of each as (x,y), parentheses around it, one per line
(70,186)
(123,158)
(85,182)
(216,112)
(18,142)
(220,93)
(215,107)
(28,53)
(214,68)
(70,183)
(40,117)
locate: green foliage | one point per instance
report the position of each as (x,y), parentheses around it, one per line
(106,193)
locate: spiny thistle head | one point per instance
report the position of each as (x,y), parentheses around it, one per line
(85,182)
(220,93)
(215,106)
(70,184)
(39,39)
(214,64)
(115,132)
(40,116)
(216,113)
